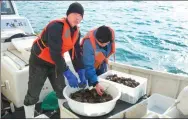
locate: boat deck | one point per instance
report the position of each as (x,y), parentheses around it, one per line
(19,112)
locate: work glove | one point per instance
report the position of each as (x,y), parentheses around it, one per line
(71,78)
(83,82)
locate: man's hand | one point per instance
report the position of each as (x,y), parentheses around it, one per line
(99,89)
(72,80)
(81,74)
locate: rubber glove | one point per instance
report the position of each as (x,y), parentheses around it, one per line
(72,79)
(83,82)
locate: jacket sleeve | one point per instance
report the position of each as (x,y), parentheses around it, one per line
(77,61)
(55,45)
(89,60)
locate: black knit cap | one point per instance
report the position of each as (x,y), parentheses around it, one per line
(75,8)
(104,34)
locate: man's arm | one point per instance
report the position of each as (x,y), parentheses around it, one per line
(54,32)
(89,60)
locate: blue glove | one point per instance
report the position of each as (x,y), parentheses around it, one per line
(81,73)
(72,80)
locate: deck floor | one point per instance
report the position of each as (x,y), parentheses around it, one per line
(20,114)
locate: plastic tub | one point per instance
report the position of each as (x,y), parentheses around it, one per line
(128,94)
(159,103)
(93,109)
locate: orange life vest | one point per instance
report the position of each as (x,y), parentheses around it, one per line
(67,44)
(99,56)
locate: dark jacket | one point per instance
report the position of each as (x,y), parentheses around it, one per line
(53,38)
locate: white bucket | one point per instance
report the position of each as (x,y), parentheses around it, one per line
(93,109)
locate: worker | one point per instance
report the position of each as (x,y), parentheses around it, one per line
(97,46)
(47,61)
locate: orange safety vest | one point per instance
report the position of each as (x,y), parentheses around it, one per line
(67,44)
(99,56)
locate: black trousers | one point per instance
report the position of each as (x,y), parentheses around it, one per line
(39,71)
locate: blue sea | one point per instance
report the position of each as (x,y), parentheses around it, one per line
(149,34)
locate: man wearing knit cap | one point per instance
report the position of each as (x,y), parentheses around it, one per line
(98,45)
(47,61)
